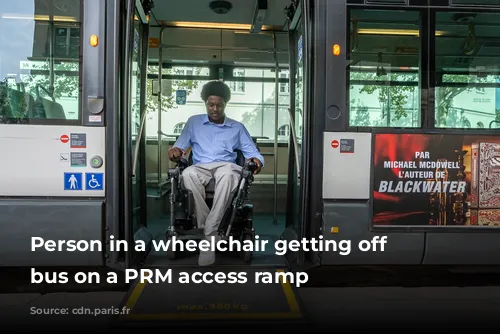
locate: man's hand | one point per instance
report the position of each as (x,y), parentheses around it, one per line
(175,154)
(259,165)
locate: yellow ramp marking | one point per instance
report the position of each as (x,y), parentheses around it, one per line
(287,289)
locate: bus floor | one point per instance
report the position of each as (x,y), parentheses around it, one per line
(264,228)
(263,224)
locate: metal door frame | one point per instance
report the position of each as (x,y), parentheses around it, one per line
(130,159)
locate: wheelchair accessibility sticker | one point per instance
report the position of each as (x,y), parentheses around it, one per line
(94,181)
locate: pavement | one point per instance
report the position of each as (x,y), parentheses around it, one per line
(340,308)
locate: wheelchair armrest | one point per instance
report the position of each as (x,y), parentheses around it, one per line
(174,172)
(248,171)
(177,170)
(247,174)
(183,164)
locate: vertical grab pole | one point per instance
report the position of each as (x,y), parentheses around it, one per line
(125,126)
(160,133)
(52,45)
(51,60)
(276,100)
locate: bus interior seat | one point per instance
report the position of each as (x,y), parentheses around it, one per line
(36,108)
(53,110)
(15,102)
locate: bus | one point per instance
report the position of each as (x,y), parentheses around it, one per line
(378,120)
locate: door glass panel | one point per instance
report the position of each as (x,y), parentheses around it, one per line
(299,107)
(136,118)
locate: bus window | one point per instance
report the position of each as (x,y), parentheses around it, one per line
(384,49)
(467,85)
(39,62)
(176,112)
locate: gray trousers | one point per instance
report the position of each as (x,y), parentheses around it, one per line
(195,178)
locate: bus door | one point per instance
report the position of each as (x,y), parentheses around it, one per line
(404,107)
(365,63)
(133,129)
(52,130)
(295,222)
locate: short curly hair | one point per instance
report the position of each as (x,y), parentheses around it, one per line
(217,88)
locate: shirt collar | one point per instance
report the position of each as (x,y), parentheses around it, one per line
(227,121)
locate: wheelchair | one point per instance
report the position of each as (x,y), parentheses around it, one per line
(237,220)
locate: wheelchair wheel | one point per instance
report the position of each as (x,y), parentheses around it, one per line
(170,252)
(247,255)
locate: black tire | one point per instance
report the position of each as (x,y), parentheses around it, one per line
(247,255)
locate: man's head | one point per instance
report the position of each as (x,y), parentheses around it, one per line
(216,95)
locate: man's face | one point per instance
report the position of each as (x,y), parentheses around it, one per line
(215,109)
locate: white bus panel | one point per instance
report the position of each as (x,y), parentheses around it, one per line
(346,165)
(40,160)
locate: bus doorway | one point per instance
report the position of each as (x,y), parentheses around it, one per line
(229,43)
(135,113)
(295,222)
(255,66)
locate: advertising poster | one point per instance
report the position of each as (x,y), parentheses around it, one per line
(436,179)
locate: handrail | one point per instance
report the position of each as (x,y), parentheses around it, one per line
(127,189)
(160,91)
(276,111)
(137,141)
(294,136)
(38,87)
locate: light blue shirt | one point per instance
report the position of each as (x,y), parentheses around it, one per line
(212,142)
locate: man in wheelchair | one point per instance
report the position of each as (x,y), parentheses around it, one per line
(220,146)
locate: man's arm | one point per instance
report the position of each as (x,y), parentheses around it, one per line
(248,147)
(178,150)
(184,140)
